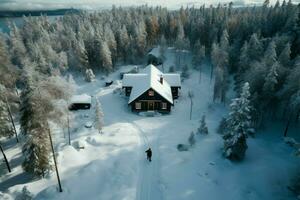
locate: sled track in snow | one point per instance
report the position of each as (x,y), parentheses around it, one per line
(148,187)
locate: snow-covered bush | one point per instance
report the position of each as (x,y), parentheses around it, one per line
(182,147)
(203,127)
(24,195)
(89,75)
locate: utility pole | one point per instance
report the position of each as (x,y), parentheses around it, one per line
(54,159)
(69,133)
(5,159)
(11,118)
(191,95)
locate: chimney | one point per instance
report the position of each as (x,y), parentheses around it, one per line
(161,79)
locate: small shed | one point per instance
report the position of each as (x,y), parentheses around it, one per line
(154,56)
(82,101)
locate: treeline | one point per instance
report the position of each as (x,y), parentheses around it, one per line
(258,45)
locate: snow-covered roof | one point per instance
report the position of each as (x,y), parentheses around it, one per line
(155,52)
(129,80)
(148,78)
(173,79)
(151,81)
(83,98)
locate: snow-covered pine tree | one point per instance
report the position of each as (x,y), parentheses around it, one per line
(192,140)
(238,122)
(219,58)
(81,54)
(224,41)
(89,75)
(18,50)
(123,42)
(99,117)
(34,126)
(203,127)
(270,55)
(285,56)
(271,81)
(9,73)
(255,49)
(6,130)
(105,55)
(244,60)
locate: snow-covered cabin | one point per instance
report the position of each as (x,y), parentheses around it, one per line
(151,89)
(154,56)
(82,101)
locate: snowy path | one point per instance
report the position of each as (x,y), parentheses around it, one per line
(148,186)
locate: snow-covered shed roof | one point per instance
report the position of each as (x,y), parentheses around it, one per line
(155,52)
(148,78)
(173,79)
(83,98)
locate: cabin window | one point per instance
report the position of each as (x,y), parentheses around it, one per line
(151,93)
(138,106)
(164,106)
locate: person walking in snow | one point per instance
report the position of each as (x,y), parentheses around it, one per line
(149,154)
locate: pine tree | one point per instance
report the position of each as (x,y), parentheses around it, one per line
(18,50)
(224,41)
(123,42)
(82,54)
(270,55)
(34,126)
(244,60)
(6,129)
(238,122)
(203,127)
(8,73)
(271,81)
(99,117)
(105,55)
(284,57)
(89,75)
(255,48)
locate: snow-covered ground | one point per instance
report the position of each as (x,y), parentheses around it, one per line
(113,165)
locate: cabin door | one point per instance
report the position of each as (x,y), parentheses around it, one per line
(150,105)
